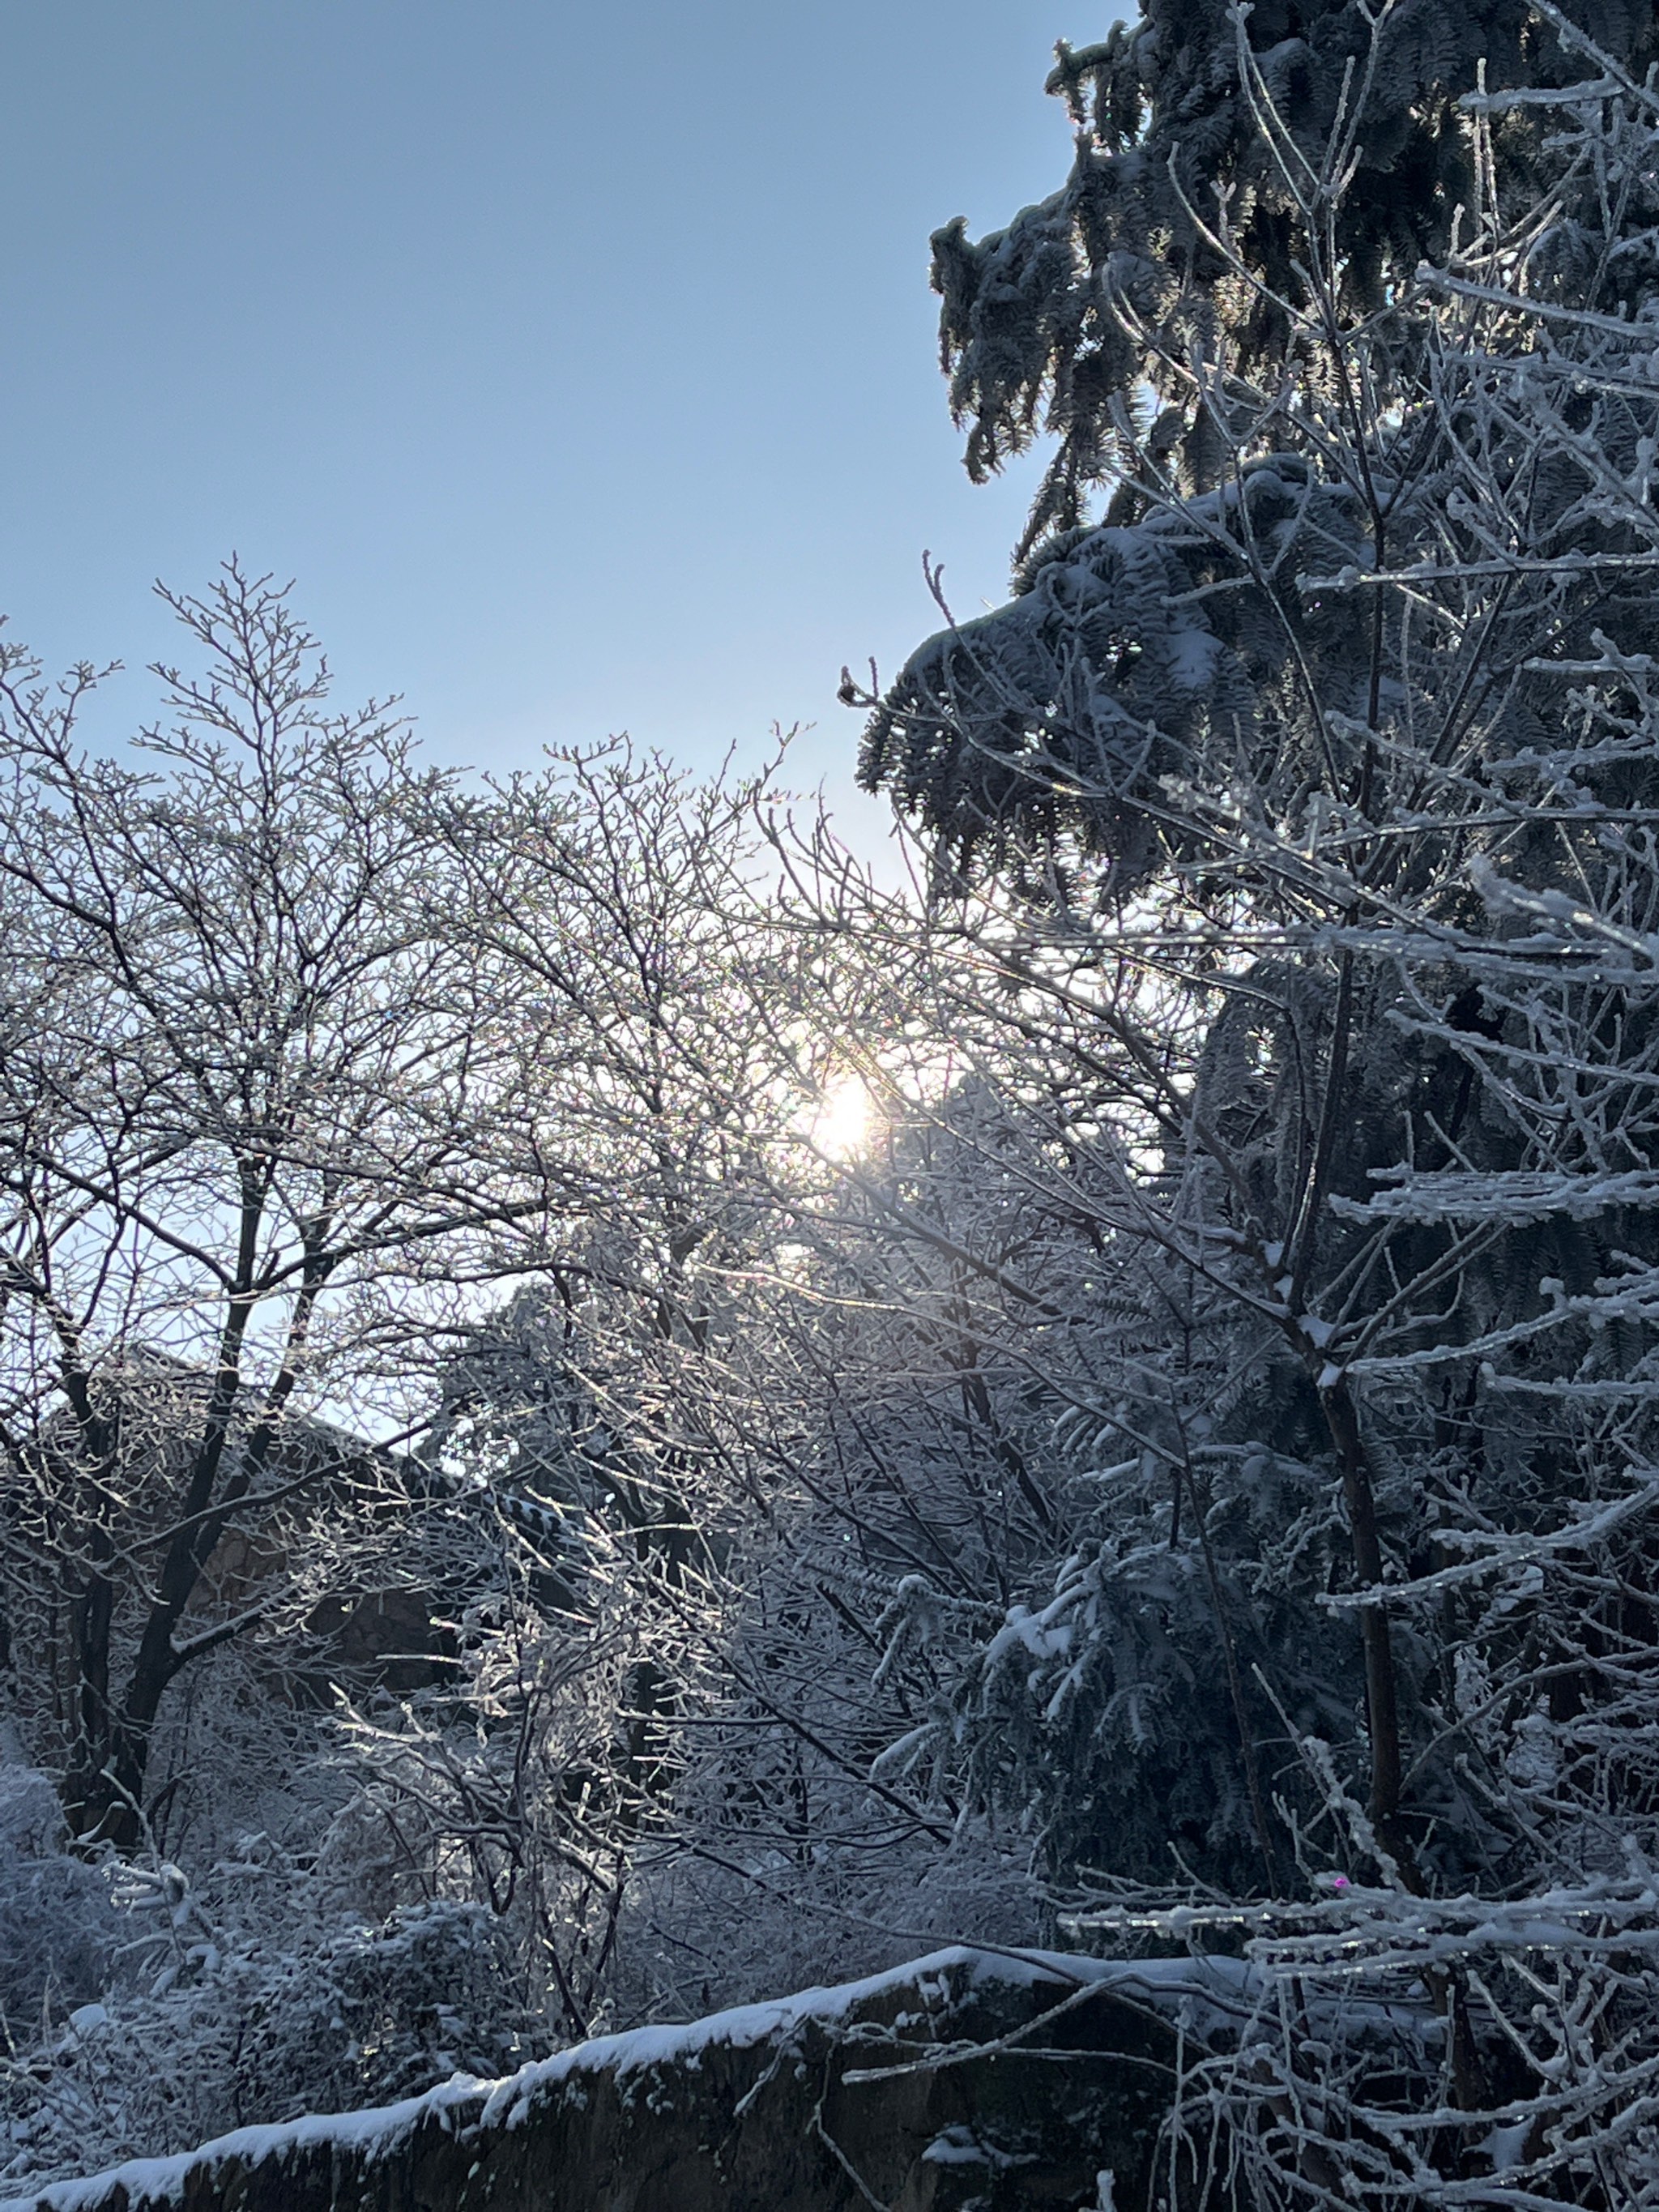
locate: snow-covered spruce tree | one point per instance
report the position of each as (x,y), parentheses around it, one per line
(1339,735)
(1032,333)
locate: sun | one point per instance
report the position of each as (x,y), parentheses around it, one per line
(841,1124)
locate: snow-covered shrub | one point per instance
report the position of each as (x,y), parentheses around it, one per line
(372,2012)
(59,1934)
(259,2002)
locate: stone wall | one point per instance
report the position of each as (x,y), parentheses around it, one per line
(923,2090)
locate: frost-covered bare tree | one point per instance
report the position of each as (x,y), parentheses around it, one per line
(617,1414)
(538,1043)
(240,1099)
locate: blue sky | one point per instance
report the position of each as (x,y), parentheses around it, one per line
(578,364)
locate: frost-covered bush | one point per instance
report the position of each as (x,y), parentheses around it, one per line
(258,2003)
(372,2012)
(59,1934)
(1392,2050)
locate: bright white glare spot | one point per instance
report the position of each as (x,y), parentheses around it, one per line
(840,1127)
